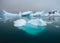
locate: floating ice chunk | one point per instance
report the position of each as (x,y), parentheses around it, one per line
(9,16)
(49,22)
(42,22)
(20,22)
(34,22)
(56,14)
(26,13)
(38,13)
(57,26)
(37,22)
(41,12)
(29,27)
(46,14)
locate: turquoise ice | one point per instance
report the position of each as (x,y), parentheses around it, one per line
(32,30)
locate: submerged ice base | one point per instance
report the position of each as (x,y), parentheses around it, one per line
(32,30)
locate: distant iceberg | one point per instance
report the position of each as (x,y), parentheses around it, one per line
(9,16)
(38,13)
(27,14)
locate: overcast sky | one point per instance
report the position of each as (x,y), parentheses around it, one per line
(34,5)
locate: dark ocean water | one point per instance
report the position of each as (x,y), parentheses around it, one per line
(11,34)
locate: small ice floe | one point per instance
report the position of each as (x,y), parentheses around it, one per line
(27,14)
(46,14)
(38,13)
(50,22)
(30,27)
(37,22)
(20,22)
(55,14)
(33,22)
(57,26)
(42,22)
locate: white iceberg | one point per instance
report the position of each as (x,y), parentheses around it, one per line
(26,13)
(9,16)
(46,14)
(33,22)
(56,14)
(37,13)
(37,22)
(42,22)
(20,22)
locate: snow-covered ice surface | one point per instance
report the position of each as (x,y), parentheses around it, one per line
(37,22)
(20,22)
(28,12)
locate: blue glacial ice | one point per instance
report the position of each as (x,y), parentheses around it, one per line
(32,27)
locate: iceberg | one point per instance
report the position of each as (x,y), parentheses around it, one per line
(35,27)
(20,22)
(27,14)
(38,13)
(9,16)
(37,22)
(32,27)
